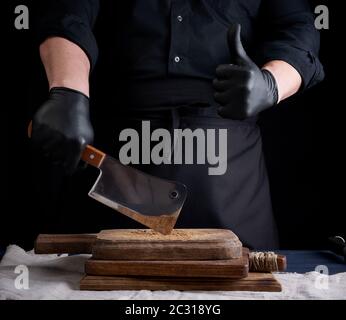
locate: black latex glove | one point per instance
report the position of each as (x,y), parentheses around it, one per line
(61,127)
(241,88)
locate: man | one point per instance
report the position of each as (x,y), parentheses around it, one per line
(190,64)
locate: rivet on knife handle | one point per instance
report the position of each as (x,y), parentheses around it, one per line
(93,156)
(90,155)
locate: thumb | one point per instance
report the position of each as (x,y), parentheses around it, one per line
(236,49)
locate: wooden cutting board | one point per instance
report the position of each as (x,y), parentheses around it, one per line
(231,268)
(145,244)
(254,282)
(181,244)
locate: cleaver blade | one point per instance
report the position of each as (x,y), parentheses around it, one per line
(149,200)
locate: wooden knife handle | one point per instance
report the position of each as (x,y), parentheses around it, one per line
(90,155)
(93,156)
(64,243)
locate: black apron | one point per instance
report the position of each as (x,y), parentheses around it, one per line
(240,199)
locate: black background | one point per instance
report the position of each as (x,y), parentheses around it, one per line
(303,142)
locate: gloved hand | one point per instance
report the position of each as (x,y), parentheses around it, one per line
(242,89)
(61,128)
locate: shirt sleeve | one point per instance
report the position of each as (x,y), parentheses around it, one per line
(291,36)
(70,19)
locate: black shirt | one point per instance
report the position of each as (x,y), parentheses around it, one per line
(186,39)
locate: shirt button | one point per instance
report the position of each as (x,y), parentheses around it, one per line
(180,18)
(176,59)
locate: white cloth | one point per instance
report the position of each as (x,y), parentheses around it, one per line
(57,277)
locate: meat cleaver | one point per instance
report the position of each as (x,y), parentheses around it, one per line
(151,201)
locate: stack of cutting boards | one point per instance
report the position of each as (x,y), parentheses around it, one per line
(137,259)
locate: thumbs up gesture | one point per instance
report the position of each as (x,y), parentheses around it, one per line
(241,88)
